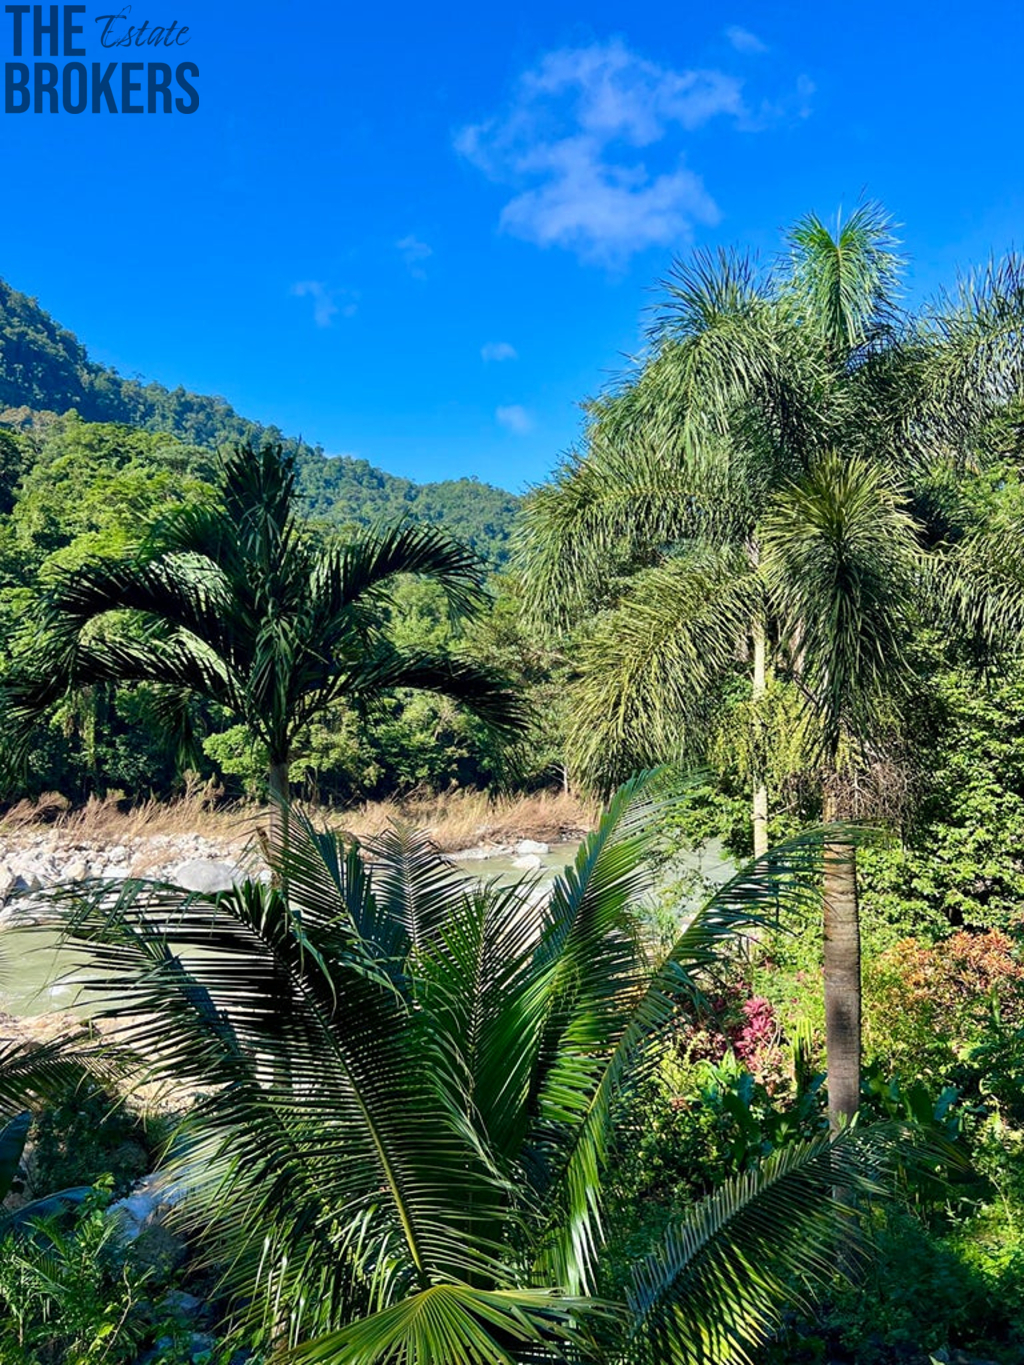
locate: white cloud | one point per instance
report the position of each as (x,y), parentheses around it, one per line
(325,308)
(413,252)
(570,141)
(498,350)
(516,419)
(743,40)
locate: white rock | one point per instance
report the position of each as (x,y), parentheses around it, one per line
(115,872)
(481,853)
(531,846)
(77,871)
(529,862)
(131,1214)
(9,880)
(205,875)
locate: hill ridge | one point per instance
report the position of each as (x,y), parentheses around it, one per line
(44,367)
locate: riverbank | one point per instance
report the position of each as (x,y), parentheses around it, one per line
(136,840)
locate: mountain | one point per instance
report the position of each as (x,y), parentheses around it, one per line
(45,368)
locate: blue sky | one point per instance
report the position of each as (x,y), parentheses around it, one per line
(422,235)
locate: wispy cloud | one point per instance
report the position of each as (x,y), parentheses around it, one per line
(414,252)
(327,303)
(498,350)
(743,40)
(569,143)
(516,419)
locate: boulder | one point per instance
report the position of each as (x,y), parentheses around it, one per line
(529,862)
(481,852)
(205,875)
(158,1251)
(181,1304)
(10,882)
(525,846)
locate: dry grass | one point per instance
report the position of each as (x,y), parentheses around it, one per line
(113,820)
(463,819)
(456,820)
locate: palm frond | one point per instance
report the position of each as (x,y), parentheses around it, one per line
(608,1042)
(716,1287)
(651,671)
(974,364)
(479,689)
(455,1322)
(841,558)
(846,281)
(347,574)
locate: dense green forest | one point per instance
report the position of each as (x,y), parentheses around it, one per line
(45,369)
(71,490)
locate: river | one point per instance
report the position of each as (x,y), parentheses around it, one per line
(34,970)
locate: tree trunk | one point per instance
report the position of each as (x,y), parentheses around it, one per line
(842,978)
(280,790)
(760,804)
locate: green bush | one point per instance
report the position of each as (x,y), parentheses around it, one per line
(86,1135)
(65,1296)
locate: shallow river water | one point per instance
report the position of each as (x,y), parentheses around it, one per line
(34,971)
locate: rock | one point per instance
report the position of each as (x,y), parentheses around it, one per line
(181,1304)
(131,1215)
(10,882)
(529,862)
(205,876)
(198,1347)
(157,1250)
(480,852)
(531,846)
(78,871)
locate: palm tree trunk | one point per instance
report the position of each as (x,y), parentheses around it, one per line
(280,790)
(842,977)
(760,802)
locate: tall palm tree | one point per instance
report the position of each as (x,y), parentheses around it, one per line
(842,569)
(795,402)
(411,1086)
(242,605)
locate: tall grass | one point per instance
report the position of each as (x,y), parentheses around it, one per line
(456,820)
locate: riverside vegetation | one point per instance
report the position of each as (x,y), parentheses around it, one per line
(396,1115)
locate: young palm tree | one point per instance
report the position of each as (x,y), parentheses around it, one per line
(797,402)
(242,605)
(410,1088)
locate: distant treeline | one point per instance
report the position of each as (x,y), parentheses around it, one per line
(44,368)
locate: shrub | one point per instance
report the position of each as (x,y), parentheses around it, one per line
(928,1007)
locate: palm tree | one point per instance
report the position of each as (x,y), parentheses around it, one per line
(842,569)
(242,605)
(411,1085)
(796,403)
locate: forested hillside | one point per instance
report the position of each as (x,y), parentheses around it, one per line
(45,368)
